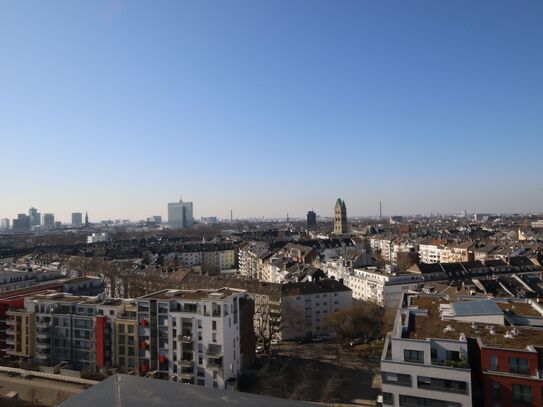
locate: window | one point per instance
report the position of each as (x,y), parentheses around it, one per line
(493,362)
(214,337)
(388,398)
(413,356)
(450,386)
(214,325)
(396,378)
(412,401)
(518,365)
(522,393)
(497,391)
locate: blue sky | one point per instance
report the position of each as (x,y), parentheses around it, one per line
(269,107)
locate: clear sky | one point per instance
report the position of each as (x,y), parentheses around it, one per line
(269,107)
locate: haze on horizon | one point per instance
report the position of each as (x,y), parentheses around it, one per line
(118,107)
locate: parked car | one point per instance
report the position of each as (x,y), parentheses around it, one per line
(274,341)
(259,349)
(318,339)
(357,341)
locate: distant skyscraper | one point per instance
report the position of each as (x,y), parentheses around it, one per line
(86,219)
(180,215)
(4,224)
(48,220)
(35,217)
(22,223)
(77,218)
(311,220)
(340,218)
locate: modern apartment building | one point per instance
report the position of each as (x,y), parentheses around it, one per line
(73,329)
(424,364)
(462,352)
(192,336)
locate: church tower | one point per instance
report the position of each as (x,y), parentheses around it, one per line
(340,218)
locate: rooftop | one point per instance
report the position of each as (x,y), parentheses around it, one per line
(200,294)
(132,391)
(433,326)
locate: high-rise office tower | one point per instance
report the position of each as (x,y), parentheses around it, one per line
(86,219)
(48,220)
(35,217)
(22,223)
(4,224)
(311,220)
(77,218)
(180,215)
(340,218)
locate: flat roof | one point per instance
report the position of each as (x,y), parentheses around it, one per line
(433,326)
(200,294)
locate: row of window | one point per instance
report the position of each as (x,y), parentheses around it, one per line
(412,401)
(426,383)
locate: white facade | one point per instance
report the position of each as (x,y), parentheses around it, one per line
(420,372)
(4,224)
(205,340)
(98,238)
(371,284)
(430,253)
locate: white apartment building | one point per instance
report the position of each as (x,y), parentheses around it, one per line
(192,335)
(424,364)
(305,306)
(385,289)
(99,238)
(430,252)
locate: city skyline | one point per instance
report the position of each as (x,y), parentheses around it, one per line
(116,108)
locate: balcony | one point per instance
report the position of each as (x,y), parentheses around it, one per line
(43,324)
(10,341)
(43,335)
(215,364)
(214,354)
(187,375)
(10,322)
(43,345)
(42,356)
(455,364)
(185,362)
(185,338)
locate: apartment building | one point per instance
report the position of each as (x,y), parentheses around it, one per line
(73,329)
(250,258)
(460,252)
(438,344)
(306,305)
(385,289)
(424,363)
(192,336)
(211,257)
(430,252)
(20,333)
(126,339)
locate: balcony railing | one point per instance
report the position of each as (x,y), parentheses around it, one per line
(185,338)
(215,354)
(214,364)
(185,362)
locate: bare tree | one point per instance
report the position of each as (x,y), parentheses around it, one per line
(267,320)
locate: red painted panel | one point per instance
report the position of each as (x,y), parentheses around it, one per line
(101,341)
